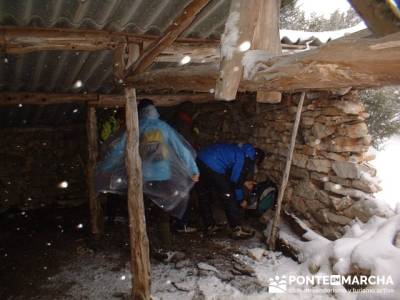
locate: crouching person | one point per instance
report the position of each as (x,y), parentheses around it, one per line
(226,169)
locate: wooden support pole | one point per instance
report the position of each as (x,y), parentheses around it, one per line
(377,15)
(285,178)
(266,37)
(179,25)
(140,258)
(94,205)
(237,38)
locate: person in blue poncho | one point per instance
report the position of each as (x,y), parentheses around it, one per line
(227,169)
(168,164)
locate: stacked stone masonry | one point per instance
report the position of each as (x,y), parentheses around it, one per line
(33,163)
(331,179)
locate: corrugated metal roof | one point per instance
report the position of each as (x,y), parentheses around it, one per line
(57,71)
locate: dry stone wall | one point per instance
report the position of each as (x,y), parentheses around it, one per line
(34,162)
(331,181)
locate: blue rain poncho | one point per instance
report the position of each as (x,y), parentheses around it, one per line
(168,164)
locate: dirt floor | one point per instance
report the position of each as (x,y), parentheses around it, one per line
(50,254)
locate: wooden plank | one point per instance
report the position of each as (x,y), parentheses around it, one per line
(285,178)
(266,37)
(179,25)
(96,223)
(16,98)
(377,15)
(140,258)
(357,62)
(239,31)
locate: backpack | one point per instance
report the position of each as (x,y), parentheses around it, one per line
(263,196)
(152,146)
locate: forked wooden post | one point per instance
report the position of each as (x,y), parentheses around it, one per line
(266,37)
(285,178)
(140,258)
(96,225)
(236,40)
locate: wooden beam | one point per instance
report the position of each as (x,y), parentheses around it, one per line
(239,31)
(285,177)
(357,62)
(22,40)
(266,37)
(179,25)
(377,15)
(16,98)
(96,224)
(140,258)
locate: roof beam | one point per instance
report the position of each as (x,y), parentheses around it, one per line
(377,15)
(19,40)
(16,98)
(22,40)
(357,62)
(179,25)
(238,34)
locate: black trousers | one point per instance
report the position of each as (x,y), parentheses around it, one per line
(212,181)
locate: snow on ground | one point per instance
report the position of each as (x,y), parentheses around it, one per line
(387,163)
(370,246)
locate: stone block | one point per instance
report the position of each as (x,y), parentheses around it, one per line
(300,160)
(319,165)
(346,169)
(338,219)
(340,190)
(344,144)
(305,189)
(341,203)
(350,107)
(321,131)
(333,156)
(354,130)
(322,177)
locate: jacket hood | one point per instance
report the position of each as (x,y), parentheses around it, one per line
(149,112)
(249,151)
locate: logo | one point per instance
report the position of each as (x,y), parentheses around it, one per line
(277,285)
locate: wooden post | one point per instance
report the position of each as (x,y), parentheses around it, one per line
(236,40)
(140,258)
(96,215)
(276,221)
(266,37)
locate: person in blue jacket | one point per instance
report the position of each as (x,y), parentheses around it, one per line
(227,169)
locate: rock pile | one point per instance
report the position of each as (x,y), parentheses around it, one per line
(331,181)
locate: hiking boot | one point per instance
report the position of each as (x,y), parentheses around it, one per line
(240,232)
(186,229)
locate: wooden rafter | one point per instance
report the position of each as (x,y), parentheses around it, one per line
(16,98)
(359,62)
(179,25)
(377,15)
(239,31)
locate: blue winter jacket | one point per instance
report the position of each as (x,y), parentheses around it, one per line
(161,170)
(224,158)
